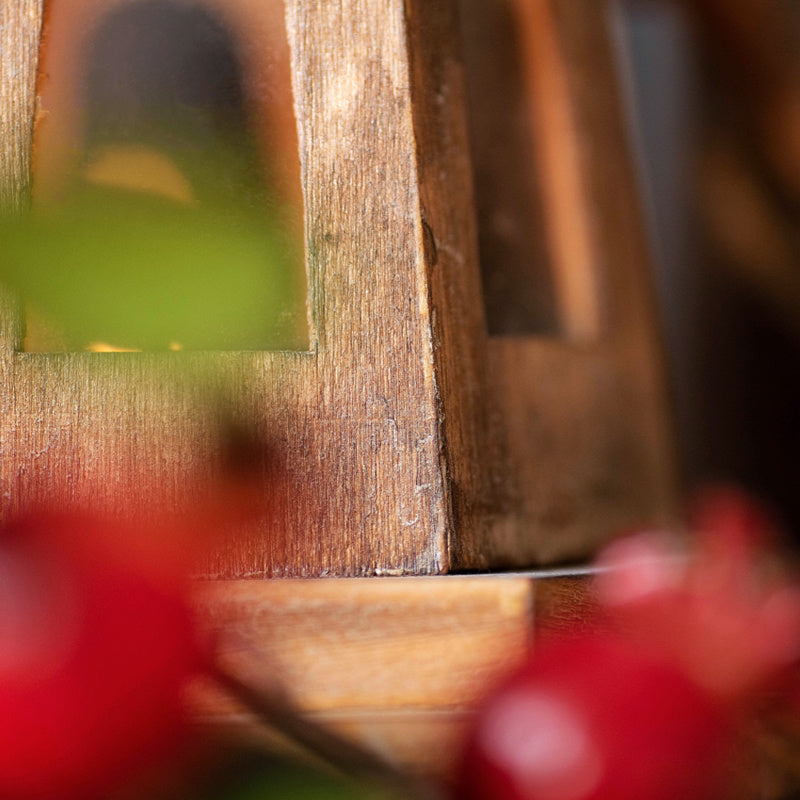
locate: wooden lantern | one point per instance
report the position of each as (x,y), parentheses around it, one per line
(411,441)
(411,437)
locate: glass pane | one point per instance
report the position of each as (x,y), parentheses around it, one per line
(167,205)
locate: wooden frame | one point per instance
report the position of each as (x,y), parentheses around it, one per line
(408,440)
(397,663)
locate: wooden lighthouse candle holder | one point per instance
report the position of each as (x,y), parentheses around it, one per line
(456,158)
(412,438)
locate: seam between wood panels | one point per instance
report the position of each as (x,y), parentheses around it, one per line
(439,559)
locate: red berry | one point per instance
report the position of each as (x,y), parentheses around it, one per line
(593,718)
(94,652)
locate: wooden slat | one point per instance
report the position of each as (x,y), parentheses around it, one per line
(396,663)
(450,245)
(374,643)
(20,29)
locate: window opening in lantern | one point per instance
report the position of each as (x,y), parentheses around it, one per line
(518,288)
(167,205)
(537,249)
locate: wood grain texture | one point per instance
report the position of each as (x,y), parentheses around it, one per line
(353,423)
(367,644)
(20,29)
(398,663)
(450,245)
(405,440)
(565,604)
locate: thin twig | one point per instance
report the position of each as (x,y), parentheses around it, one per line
(277,711)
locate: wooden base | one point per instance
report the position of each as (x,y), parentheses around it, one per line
(395,663)
(399,664)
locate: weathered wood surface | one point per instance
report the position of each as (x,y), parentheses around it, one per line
(405,440)
(396,662)
(20,29)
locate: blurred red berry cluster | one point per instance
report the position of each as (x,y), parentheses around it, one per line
(94,651)
(693,637)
